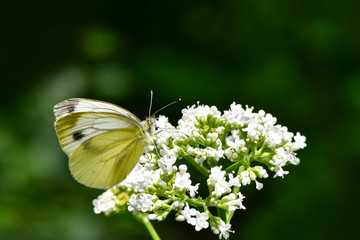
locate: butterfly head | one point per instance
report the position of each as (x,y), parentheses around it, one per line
(149,125)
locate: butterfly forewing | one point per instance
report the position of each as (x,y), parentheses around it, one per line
(74,129)
(75,105)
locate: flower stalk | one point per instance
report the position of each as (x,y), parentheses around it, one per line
(201,168)
(149,226)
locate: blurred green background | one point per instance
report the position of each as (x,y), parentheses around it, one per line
(298,60)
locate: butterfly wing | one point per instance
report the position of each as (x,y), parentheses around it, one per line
(75,105)
(106,159)
(103,141)
(79,119)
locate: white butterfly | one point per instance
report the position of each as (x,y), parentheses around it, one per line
(103,141)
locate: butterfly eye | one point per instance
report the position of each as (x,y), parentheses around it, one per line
(149,122)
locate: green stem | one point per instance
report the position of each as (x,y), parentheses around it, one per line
(233,167)
(148,226)
(195,203)
(222,214)
(197,165)
(236,190)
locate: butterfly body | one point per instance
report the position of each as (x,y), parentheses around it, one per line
(103,141)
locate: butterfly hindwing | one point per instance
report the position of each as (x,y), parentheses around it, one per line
(108,158)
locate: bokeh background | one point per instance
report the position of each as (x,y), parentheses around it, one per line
(298,60)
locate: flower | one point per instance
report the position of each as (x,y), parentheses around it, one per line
(188,213)
(280,172)
(236,145)
(105,202)
(218,226)
(245,178)
(201,221)
(259,185)
(225,230)
(182,181)
(299,142)
(141,178)
(218,182)
(235,203)
(230,150)
(237,115)
(194,217)
(141,202)
(166,163)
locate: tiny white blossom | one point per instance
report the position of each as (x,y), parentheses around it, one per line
(274,136)
(162,137)
(166,163)
(225,230)
(238,144)
(162,122)
(213,153)
(282,157)
(182,178)
(141,178)
(252,175)
(212,136)
(221,187)
(193,190)
(222,229)
(194,217)
(201,221)
(218,181)
(261,171)
(238,115)
(230,154)
(254,130)
(269,119)
(280,172)
(152,216)
(182,181)
(234,181)
(220,129)
(234,202)
(180,218)
(259,185)
(245,178)
(142,202)
(105,202)
(177,204)
(188,213)
(143,159)
(190,150)
(299,142)
(215,175)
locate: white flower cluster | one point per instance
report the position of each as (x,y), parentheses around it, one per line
(194,217)
(230,150)
(105,203)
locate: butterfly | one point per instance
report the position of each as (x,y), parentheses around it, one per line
(103,141)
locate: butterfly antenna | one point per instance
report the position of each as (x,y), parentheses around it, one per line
(151,99)
(176,101)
